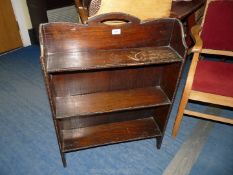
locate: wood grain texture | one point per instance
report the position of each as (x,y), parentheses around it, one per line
(211,98)
(183,9)
(73,61)
(107,87)
(185,95)
(217,52)
(82,11)
(69,37)
(195,33)
(104,102)
(77,83)
(108,134)
(209,117)
(100,119)
(170,71)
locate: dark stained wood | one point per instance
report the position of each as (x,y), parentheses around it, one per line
(108,134)
(86,82)
(93,120)
(170,72)
(176,42)
(111,101)
(111,58)
(183,9)
(82,10)
(160,116)
(70,37)
(105,88)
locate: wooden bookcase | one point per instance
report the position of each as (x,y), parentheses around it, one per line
(111,83)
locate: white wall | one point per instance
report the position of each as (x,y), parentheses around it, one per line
(23,18)
(26,13)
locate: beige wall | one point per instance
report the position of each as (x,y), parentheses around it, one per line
(26,14)
(22,16)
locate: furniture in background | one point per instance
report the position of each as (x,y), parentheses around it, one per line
(180,9)
(142,9)
(116,85)
(210,81)
(186,12)
(183,10)
(82,7)
(38,11)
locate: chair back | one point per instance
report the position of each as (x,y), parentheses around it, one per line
(210,81)
(217,26)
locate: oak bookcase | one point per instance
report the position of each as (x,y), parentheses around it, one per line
(111,83)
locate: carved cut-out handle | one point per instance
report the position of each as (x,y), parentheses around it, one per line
(113,19)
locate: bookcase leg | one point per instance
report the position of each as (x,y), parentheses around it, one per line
(63,159)
(159,142)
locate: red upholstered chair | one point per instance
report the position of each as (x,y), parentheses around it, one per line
(208,81)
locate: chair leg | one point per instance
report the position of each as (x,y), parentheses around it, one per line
(186,92)
(179,116)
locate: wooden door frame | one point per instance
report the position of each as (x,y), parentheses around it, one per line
(19,15)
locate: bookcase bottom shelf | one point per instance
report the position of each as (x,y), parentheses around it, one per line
(82,138)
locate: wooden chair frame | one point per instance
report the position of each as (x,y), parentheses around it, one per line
(82,10)
(189,94)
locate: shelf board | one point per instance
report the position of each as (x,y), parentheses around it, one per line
(109,133)
(111,101)
(76,61)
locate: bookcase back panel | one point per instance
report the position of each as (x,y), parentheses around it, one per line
(70,37)
(86,121)
(106,80)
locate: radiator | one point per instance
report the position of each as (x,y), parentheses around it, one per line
(64,14)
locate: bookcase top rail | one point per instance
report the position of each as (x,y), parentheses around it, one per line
(96,35)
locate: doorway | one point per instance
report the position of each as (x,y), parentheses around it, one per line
(9,30)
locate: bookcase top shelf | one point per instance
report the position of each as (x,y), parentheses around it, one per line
(70,46)
(76,61)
